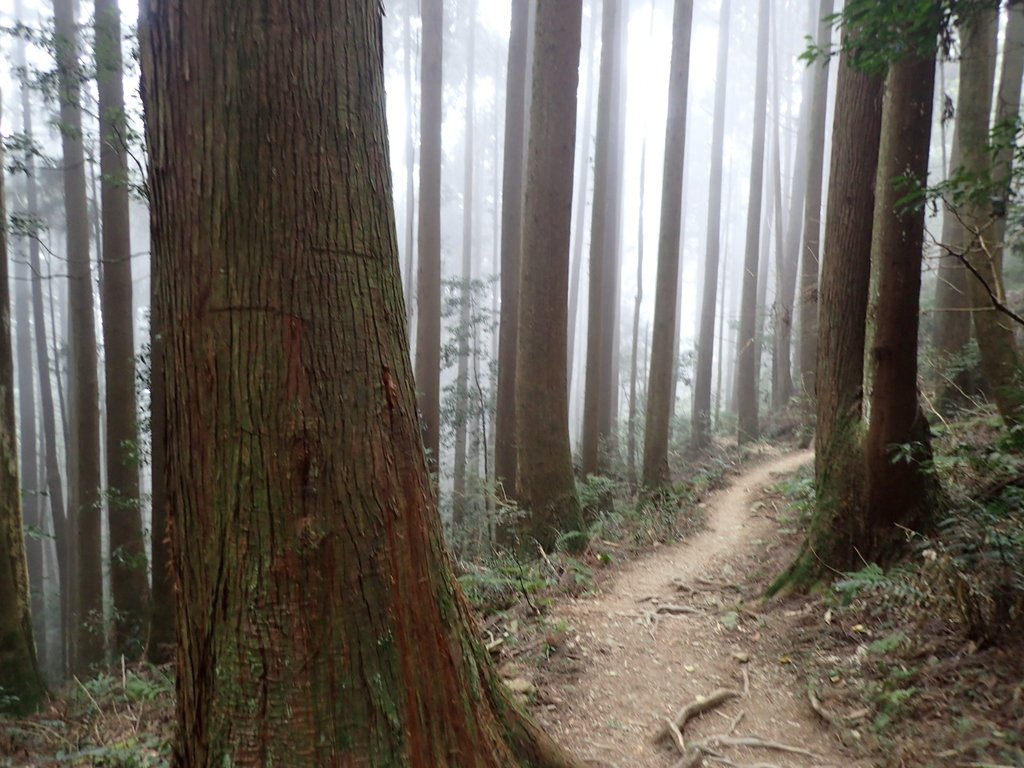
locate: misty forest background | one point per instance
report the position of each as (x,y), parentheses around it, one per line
(733,274)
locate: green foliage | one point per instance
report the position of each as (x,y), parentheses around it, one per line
(595,491)
(979,555)
(499,584)
(889,643)
(896,585)
(886,32)
(799,489)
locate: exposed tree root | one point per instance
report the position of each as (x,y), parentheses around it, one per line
(698,706)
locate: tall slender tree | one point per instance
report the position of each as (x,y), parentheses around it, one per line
(582,188)
(31,493)
(952,326)
(809,254)
(286,597)
(546,487)
(659,392)
(837,528)
(898,489)
(411,8)
(89,639)
(128,572)
(511,240)
(786,273)
(746,375)
(598,367)
(1000,355)
(428,279)
(706,333)
(638,299)
(465,332)
(51,464)
(20,680)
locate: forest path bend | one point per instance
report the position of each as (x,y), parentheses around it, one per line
(631,668)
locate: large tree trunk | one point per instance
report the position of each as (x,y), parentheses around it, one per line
(129,579)
(85,451)
(511,246)
(598,367)
(547,489)
(706,333)
(19,674)
(812,209)
(313,586)
(428,277)
(1000,356)
(899,487)
(837,527)
(748,427)
(463,332)
(659,387)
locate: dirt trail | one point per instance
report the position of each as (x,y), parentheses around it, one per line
(633,667)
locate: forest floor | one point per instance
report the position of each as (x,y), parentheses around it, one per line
(872,671)
(685,622)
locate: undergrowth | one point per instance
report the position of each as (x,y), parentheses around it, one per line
(932,647)
(110,721)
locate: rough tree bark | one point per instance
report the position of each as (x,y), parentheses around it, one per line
(20,681)
(313,585)
(747,400)
(88,647)
(547,489)
(511,246)
(129,579)
(706,334)
(659,387)
(428,276)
